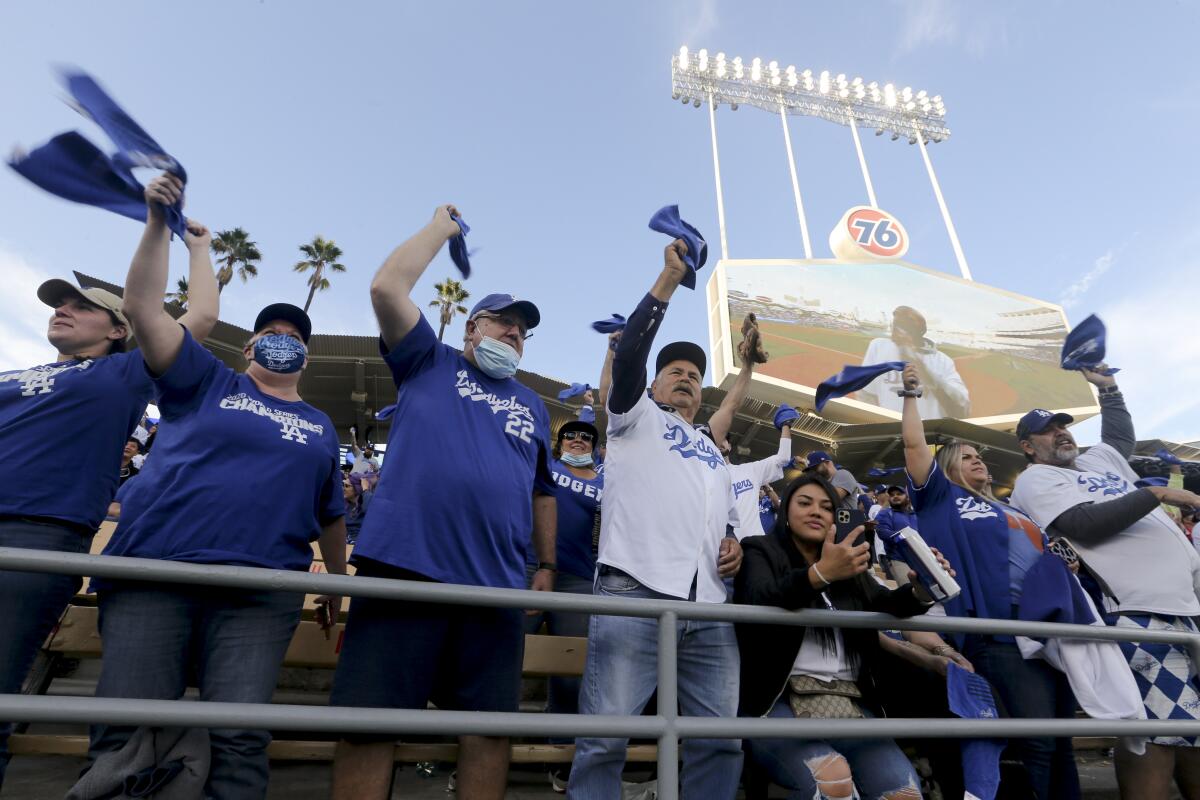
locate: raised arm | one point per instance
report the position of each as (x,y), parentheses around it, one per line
(606,370)
(159,336)
(629,361)
(394,282)
(203,293)
(722,419)
(917,458)
(1116,423)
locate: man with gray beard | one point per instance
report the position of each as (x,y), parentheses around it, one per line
(1146,570)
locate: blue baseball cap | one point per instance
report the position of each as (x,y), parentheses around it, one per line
(1037,420)
(288,313)
(504,302)
(879,487)
(817,457)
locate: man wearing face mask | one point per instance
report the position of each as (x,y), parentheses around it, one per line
(245,473)
(668,504)
(462,421)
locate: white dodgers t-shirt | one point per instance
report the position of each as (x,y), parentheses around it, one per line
(1150,566)
(939,365)
(748,478)
(667,501)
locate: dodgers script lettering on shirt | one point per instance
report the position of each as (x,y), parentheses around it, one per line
(291,426)
(1110,484)
(40,380)
(743,486)
(970,508)
(520,419)
(692,448)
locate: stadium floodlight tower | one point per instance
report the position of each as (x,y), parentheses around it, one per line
(916,116)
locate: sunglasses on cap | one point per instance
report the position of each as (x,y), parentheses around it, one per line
(582,436)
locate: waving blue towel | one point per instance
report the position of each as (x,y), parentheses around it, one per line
(666,220)
(851,379)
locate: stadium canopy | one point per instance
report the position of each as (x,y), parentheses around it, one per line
(348,380)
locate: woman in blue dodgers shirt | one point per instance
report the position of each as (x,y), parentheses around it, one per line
(244,472)
(991,545)
(82,408)
(580,488)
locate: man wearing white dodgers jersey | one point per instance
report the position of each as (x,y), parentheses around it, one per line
(667,506)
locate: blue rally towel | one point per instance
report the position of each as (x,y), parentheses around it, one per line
(459,253)
(587,414)
(851,379)
(574,390)
(970,697)
(385,412)
(1084,347)
(785,414)
(73,168)
(876,472)
(666,220)
(1154,481)
(1167,457)
(1050,593)
(611,325)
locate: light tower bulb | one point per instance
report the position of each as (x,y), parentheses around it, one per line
(737,67)
(843,93)
(910,105)
(791,76)
(683,57)
(825,82)
(889,96)
(756,69)
(906,93)
(703,62)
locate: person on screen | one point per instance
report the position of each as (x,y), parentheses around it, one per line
(945,393)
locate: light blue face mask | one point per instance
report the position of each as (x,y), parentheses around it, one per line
(279,352)
(497,359)
(584,460)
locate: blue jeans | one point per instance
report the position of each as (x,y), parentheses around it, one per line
(877,766)
(562,695)
(235,640)
(622,672)
(1031,689)
(30,605)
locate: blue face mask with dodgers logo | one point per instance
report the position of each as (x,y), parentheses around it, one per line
(279,352)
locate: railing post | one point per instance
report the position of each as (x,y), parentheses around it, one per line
(668,707)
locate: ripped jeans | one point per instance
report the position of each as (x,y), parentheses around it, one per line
(878,768)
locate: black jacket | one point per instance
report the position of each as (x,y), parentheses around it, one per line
(774,574)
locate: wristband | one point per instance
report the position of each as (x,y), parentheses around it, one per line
(820,577)
(1107,390)
(547,565)
(909,392)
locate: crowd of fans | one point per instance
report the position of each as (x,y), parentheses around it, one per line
(476,490)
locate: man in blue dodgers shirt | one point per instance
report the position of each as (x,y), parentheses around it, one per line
(468,480)
(668,502)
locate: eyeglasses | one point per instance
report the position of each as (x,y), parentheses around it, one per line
(582,436)
(508,321)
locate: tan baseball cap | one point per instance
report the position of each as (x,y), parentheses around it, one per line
(55,290)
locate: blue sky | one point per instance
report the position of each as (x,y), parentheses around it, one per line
(1071,173)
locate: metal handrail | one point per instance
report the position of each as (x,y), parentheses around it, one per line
(667,726)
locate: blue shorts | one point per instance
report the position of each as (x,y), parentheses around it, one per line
(400,654)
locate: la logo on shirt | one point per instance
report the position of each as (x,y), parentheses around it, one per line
(40,380)
(292,427)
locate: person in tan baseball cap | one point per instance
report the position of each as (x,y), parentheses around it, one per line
(86,322)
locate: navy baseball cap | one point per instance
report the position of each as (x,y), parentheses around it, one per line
(288,313)
(1037,420)
(897,488)
(504,302)
(879,487)
(817,457)
(681,351)
(579,425)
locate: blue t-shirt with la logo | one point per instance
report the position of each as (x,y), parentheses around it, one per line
(78,413)
(237,476)
(464,456)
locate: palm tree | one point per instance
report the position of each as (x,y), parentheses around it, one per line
(180,296)
(450,294)
(236,251)
(322,254)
